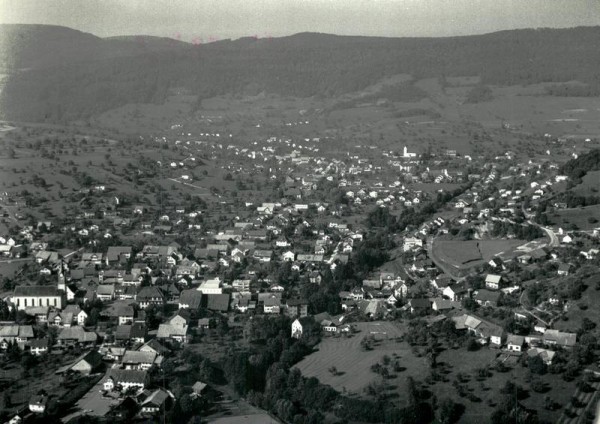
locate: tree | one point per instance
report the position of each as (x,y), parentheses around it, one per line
(449,411)
(536,365)
(6,402)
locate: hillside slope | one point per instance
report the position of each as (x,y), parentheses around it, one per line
(101,74)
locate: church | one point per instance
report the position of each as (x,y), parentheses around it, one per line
(30,296)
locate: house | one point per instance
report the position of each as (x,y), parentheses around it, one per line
(190,299)
(515,343)
(564,269)
(121,311)
(158,401)
(112,353)
(272,304)
(217,302)
(299,326)
(296,308)
(419,305)
(440,305)
(328,324)
(211,287)
(154,345)
(29,296)
(38,403)
(79,315)
(441,281)
(125,379)
(263,255)
(487,298)
(170,332)
(138,360)
(105,292)
(457,291)
(559,338)
(60,319)
(117,254)
(484,330)
(13,333)
(38,347)
(148,296)
(411,243)
(493,281)
(76,335)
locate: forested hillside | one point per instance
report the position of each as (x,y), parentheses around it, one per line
(100,74)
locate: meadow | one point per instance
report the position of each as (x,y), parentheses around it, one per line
(464,254)
(353,363)
(582,218)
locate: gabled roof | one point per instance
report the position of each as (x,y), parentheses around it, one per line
(36,291)
(191,297)
(487,295)
(493,278)
(128,376)
(155,346)
(217,302)
(157,398)
(167,330)
(138,357)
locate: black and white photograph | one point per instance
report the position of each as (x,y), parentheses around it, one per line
(300,211)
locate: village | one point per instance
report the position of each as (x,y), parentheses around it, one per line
(326,244)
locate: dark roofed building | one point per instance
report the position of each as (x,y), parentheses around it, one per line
(217,302)
(190,299)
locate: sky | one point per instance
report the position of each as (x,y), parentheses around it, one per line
(204,20)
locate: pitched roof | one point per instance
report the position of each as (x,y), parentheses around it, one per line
(128,376)
(158,398)
(167,330)
(138,357)
(487,295)
(155,346)
(217,302)
(191,297)
(36,291)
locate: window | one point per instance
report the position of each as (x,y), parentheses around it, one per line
(25,302)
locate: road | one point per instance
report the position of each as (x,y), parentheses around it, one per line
(554,242)
(191,185)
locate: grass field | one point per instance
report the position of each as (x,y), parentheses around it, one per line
(464,254)
(589,186)
(584,218)
(353,363)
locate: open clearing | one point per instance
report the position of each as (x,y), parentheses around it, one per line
(464,254)
(353,363)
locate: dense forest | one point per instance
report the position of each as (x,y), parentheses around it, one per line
(100,74)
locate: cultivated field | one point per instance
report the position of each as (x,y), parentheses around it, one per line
(353,363)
